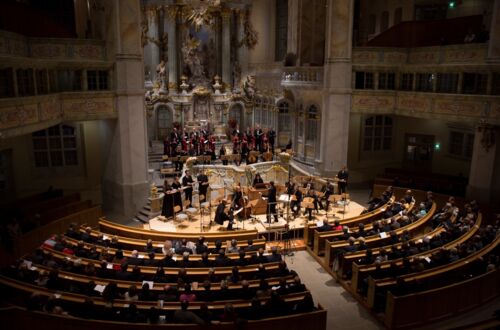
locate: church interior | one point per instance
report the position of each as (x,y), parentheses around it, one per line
(250,164)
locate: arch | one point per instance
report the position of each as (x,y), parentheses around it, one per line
(164,120)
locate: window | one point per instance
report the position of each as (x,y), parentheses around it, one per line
(495,83)
(384,21)
(372,24)
(424,82)
(97,80)
(461,144)
(447,82)
(69,80)
(474,83)
(377,133)
(25,85)
(364,80)
(284,117)
(55,146)
(398,15)
(406,83)
(281,29)
(42,84)
(386,80)
(6,83)
(312,124)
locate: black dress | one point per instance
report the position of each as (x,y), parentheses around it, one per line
(168,203)
(177,194)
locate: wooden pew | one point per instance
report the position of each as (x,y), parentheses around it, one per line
(372,241)
(26,289)
(418,309)
(433,274)
(158,256)
(63,210)
(191,272)
(19,318)
(361,272)
(157,286)
(347,260)
(139,244)
(363,218)
(31,240)
(321,237)
(122,230)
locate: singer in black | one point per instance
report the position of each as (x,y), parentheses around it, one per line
(271,203)
(343,175)
(167,209)
(187,181)
(203,186)
(177,194)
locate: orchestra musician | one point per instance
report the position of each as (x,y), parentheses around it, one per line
(258,137)
(202,186)
(271,203)
(328,190)
(187,182)
(257,180)
(176,186)
(220,213)
(237,202)
(295,201)
(222,152)
(311,194)
(343,175)
(271,135)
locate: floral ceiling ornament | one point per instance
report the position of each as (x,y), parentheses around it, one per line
(200,12)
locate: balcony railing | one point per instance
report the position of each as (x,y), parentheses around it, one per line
(302,76)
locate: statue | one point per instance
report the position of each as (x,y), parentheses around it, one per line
(161,75)
(249,87)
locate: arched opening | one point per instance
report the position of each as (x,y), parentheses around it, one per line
(284,123)
(312,132)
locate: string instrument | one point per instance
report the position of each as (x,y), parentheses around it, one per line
(267,156)
(252,157)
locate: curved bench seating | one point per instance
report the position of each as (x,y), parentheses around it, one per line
(376,240)
(321,237)
(139,244)
(361,272)
(432,274)
(122,230)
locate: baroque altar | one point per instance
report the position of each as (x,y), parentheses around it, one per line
(195,55)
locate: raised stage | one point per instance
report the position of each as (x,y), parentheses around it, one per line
(258,222)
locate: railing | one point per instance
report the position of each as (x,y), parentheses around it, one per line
(302,75)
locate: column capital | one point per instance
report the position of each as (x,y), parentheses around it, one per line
(226,15)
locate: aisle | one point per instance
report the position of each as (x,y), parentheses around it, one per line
(343,311)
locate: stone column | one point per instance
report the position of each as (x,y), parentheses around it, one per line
(226,47)
(170,22)
(152,49)
(337,86)
(494,42)
(242,50)
(484,176)
(292,43)
(125,182)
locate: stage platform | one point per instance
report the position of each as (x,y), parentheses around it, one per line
(259,222)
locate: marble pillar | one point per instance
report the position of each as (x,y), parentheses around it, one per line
(494,42)
(242,50)
(484,173)
(226,47)
(170,24)
(337,87)
(292,43)
(125,182)
(152,50)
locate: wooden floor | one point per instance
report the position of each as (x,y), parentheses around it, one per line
(258,222)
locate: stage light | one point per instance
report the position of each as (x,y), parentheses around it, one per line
(437,146)
(451,4)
